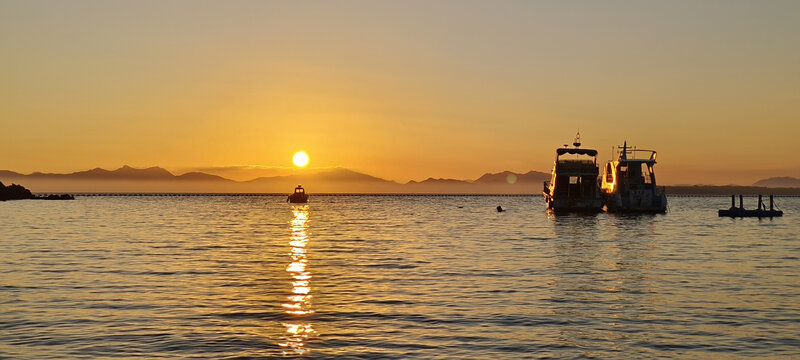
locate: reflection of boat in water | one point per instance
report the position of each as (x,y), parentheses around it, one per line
(629,183)
(299,195)
(573,182)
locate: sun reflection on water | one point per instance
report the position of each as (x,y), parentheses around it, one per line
(298,304)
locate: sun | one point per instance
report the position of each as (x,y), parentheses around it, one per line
(300,159)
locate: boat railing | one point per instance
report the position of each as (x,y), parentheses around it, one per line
(576,161)
(576,166)
(627,153)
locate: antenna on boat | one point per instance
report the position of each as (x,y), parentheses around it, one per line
(577,142)
(624,154)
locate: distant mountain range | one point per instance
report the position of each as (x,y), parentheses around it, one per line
(124,173)
(337,180)
(779,182)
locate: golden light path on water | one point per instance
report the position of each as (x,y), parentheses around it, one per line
(298,304)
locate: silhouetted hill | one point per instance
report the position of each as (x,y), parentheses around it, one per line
(337,180)
(439,181)
(342,174)
(124,179)
(6,174)
(438,186)
(535,176)
(779,182)
(506,176)
(505,182)
(337,175)
(125,172)
(154,172)
(199,176)
(729,190)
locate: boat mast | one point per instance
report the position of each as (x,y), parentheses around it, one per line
(624,154)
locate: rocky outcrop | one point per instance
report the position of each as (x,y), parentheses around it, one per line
(14,192)
(19,192)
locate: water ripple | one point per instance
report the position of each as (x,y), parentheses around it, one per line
(393,277)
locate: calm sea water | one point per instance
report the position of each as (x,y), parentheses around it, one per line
(387,277)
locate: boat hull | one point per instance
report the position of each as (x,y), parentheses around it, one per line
(584,205)
(636,202)
(573,182)
(298,198)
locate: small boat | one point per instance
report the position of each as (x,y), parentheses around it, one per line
(299,195)
(573,181)
(629,183)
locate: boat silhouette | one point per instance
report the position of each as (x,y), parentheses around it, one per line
(299,195)
(573,181)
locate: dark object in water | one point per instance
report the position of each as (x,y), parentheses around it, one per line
(299,195)
(500,208)
(57,197)
(19,192)
(742,212)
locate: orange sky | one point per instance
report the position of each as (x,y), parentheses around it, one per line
(401,90)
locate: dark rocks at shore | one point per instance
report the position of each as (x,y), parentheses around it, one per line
(19,192)
(14,192)
(56,197)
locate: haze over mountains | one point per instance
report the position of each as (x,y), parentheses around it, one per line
(335,180)
(779,182)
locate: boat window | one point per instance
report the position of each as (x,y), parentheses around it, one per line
(647,173)
(561,185)
(609,173)
(573,179)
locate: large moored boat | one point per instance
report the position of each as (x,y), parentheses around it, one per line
(629,183)
(573,182)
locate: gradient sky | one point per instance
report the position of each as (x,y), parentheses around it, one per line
(401,90)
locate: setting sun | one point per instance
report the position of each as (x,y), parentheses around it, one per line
(300,159)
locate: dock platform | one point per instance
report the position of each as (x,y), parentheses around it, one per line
(740,211)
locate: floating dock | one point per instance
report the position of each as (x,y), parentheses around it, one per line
(740,211)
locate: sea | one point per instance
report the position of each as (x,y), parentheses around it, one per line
(394,277)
